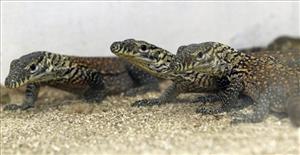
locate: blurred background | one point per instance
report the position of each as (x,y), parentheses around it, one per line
(88,28)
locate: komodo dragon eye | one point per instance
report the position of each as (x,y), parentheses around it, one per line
(33,68)
(200,55)
(143,48)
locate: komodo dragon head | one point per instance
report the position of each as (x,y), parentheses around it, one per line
(149,57)
(211,58)
(35,67)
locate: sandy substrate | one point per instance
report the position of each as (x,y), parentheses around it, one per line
(61,124)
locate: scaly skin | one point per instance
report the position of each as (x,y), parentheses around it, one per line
(159,63)
(92,78)
(287,57)
(271,85)
(285,49)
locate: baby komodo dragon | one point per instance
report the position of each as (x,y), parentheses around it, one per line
(159,62)
(270,84)
(93,78)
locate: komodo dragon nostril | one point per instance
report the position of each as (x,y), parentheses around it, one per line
(115,47)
